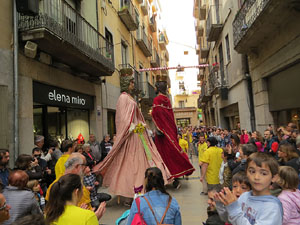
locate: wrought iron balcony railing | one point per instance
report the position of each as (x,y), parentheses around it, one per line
(217,79)
(148,90)
(143,41)
(246,16)
(162,41)
(155,60)
(65,23)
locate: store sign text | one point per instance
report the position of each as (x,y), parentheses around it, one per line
(64,98)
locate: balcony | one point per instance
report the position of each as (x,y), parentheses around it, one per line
(197,50)
(162,41)
(63,33)
(199,28)
(200,12)
(165,71)
(143,41)
(167,57)
(218,81)
(147,99)
(214,24)
(155,60)
(145,7)
(259,20)
(129,69)
(205,95)
(204,49)
(152,23)
(128,15)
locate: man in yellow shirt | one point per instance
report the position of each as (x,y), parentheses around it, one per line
(183,143)
(67,149)
(211,163)
(75,164)
(202,147)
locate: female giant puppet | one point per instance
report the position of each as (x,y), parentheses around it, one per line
(133,151)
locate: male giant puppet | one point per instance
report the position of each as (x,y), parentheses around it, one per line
(166,138)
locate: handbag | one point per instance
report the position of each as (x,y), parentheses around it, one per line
(162,219)
(138,217)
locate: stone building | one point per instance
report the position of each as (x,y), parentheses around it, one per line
(267,31)
(68,60)
(225,94)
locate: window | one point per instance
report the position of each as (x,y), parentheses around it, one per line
(124,49)
(181,104)
(109,44)
(227,48)
(147,77)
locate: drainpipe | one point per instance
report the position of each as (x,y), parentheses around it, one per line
(15,81)
(250,92)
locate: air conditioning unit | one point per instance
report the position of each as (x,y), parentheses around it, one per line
(28,7)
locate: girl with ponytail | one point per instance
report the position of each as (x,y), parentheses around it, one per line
(156,205)
(62,206)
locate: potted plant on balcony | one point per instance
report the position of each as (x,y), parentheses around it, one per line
(126,71)
(216,66)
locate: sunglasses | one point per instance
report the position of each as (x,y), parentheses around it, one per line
(3,207)
(37,156)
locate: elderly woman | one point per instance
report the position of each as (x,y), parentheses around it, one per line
(90,158)
(22,201)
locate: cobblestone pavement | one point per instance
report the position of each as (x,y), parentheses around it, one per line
(192,205)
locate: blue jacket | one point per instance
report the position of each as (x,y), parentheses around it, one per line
(159,202)
(258,210)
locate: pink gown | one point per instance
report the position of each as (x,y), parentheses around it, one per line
(125,165)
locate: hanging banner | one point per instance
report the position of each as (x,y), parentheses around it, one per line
(173,68)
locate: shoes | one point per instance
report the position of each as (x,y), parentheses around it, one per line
(103,197)
(127,204)
(178,186)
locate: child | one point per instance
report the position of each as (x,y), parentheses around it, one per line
(240,184)
(34,185)
(213,216)
(202,147)
(225,174)
(258,206)
(89,180)
(245,151)
(290,195)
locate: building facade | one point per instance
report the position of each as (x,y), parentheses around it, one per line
(225,94)
(268,33)
(185,101)
(70,55)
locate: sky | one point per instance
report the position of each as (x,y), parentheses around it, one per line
(177,17)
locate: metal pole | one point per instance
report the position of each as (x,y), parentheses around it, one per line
(15,81)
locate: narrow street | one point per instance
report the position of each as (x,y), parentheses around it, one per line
(193,205)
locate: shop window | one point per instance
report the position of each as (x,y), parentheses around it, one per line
(183,122)
(60,123)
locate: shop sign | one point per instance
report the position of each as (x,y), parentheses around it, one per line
(51,95)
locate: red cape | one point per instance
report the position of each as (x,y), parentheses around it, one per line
(167,145)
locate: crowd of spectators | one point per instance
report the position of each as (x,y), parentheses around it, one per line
(228,163)
(56,177)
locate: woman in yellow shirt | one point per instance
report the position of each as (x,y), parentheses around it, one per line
(62,207)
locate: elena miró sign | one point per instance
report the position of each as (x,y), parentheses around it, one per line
(51,95)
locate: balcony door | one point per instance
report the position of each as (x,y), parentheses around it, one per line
(221,64)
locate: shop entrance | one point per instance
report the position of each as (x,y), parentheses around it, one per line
(59,123)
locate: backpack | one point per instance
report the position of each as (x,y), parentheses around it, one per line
(162,218)
(138,217)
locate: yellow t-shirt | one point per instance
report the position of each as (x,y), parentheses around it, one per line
(76,216)
(85,199)
(212,156)
(184,145)
(60,165)
(201,149)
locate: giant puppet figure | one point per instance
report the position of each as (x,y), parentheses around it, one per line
(123,169)
(166,136)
